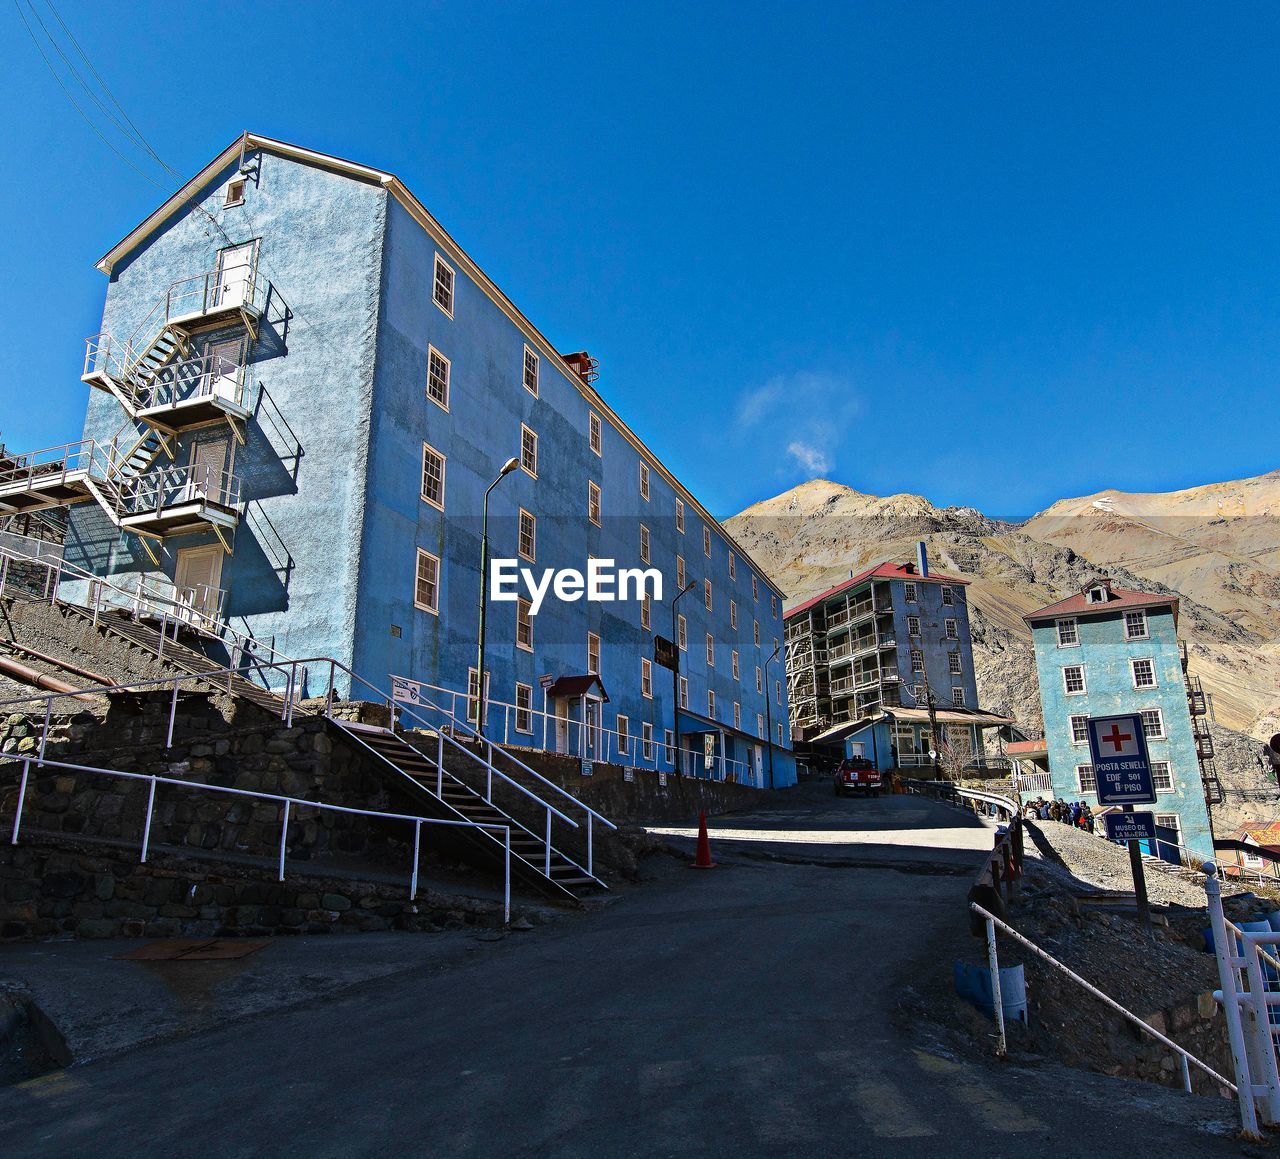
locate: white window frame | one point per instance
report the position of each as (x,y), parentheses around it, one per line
(528,431)
(1141,614)
(532,554)
(1071,625)
(593,653)
(733,566)
(680,515)
(711,650)
(434,606)
(435,285)
(913,625)
(760,726)
(644,480)
(707,597)
(954,665)
(1082,738)
(759,680)
(644,543)
(755,588)
(669,745)
(595,439)
(917,659)
(711,703)
(646,740)
(235,193)
(957,697)
(524,709)
(706,541)
(1170,821)
(448,375)
(680,573)
(951,628)
(733,614)
(473,694)
(1160,734)
(429,451)
(684,693)
(593,502)
(1067,690)
(737,715)
(646,612)
(623,729)
(910,592)
(682,632)
(1133,671)
(948,596)
(646,678)
(530,353)
(1083,773)
(524,619)
(735,666)
(755,631)
(1166,775)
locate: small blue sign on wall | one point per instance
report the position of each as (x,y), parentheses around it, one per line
(1120,761)
(588,768)
(1138,826)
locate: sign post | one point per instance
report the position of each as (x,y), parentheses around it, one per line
(1122,770)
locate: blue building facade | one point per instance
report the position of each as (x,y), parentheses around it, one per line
(1110,651)
(378,383)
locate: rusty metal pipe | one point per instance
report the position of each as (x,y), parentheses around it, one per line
(74,669)
(10,667)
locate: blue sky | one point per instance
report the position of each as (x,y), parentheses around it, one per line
(994,254)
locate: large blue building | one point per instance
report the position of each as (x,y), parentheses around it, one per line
(302,390)
(1109,651)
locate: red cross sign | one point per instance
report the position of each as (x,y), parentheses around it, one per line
(1117,738)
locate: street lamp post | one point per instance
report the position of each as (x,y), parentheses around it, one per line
(507,467)
(768,711)
(675,674)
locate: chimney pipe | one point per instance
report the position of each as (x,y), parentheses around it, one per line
(922,560)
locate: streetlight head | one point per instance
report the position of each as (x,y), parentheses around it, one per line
(509,466)
(690,586)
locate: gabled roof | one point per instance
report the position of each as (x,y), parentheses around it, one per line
(252,142)
(567,686)
(1118,599)
(1027,748)
(902,571)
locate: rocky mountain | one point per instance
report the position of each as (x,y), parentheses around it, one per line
(1217,548)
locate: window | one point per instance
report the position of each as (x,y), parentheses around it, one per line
(680,516)
(473,695)
(684,692)
(1068,634)
(1097,595)
(528,536)
(953,663)
(737,715)
(706,541)
(235,194)
(1079,729)
(957,697)
(432,476)
(711,703)
(1254,861)
(1144,673)
(646,678)
(1135,625)
(777,691)
(442,290)
(733,614)
(760,725)
(437,377)
(426,587)
(1153,724)
(755,631)
(952,629)
(593,503)
(524,707)
(706,593)
(773,606)
(711,650)
(913,625)
(1085,779)
(733,566)
(735,664)
(1162,776)
(644,480)
(680,573)
(759,679)
(524,625)
(669,745)
(531,372)
(682,633)
(528,451)
(624,735)
(1170,821)
(593,431)
(917,660)
(909,591)
(1073,680)
(755,588)
(646,740)
(779,732)
(644,544)
(948,596)
(646,612)
(593,653)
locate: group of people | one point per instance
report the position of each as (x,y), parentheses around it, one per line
(1077,814)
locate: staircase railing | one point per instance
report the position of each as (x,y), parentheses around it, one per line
(174,486)
(288,805)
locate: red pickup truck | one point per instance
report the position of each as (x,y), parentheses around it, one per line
(857,775)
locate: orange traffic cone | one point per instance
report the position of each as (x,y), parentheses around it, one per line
(703,858)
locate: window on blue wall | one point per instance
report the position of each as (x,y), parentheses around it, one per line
(528,536)
(737,715)
(1135,625)
(733,566)
(669,745)
(953,630)
(680,516)
(957,697)
(442,289)
(1079,730)
(913,625)
(680,573)
(1153,724)
(646,740)
(426,588)
(909,591)
(524,625)
(644,481)
(624,735)
(917,660)
(646,612)
(684,692)
(1068,634)
(755,588)
(646,678)
(733,614)
(711,703)
(1162,776)
(1073,683)
(711,650)
(706,593)
(735,664)
(437,377)
(524,708)
(759,679)
(948,596)
(706,541)
(1085,779)
(1144,673)
(644,544)
(593,653)
(953,663)
(682,633)
(593,432)
(593,503)
(760,725)
(528,451)
(755,631)
(432,476)
(531,372)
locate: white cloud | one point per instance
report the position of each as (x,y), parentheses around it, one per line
(755,405)
(811,458)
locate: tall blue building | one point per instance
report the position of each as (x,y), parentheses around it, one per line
(303,389)
(1110,651)
(879,664)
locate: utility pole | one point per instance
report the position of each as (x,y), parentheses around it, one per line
(507,467)
(675,675)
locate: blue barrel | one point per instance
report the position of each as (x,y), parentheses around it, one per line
(973,984)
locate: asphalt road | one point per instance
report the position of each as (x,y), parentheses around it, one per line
(746,1010)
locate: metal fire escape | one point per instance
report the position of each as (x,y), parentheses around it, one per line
(1197,704)
(164,389)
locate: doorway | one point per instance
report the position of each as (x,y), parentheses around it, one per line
(234,277)
(196,579)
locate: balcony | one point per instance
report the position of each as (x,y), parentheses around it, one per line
(180,501)
(52,477)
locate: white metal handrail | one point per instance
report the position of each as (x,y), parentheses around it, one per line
(288,803)
(193,379)
(174,486)
(1188,1059)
